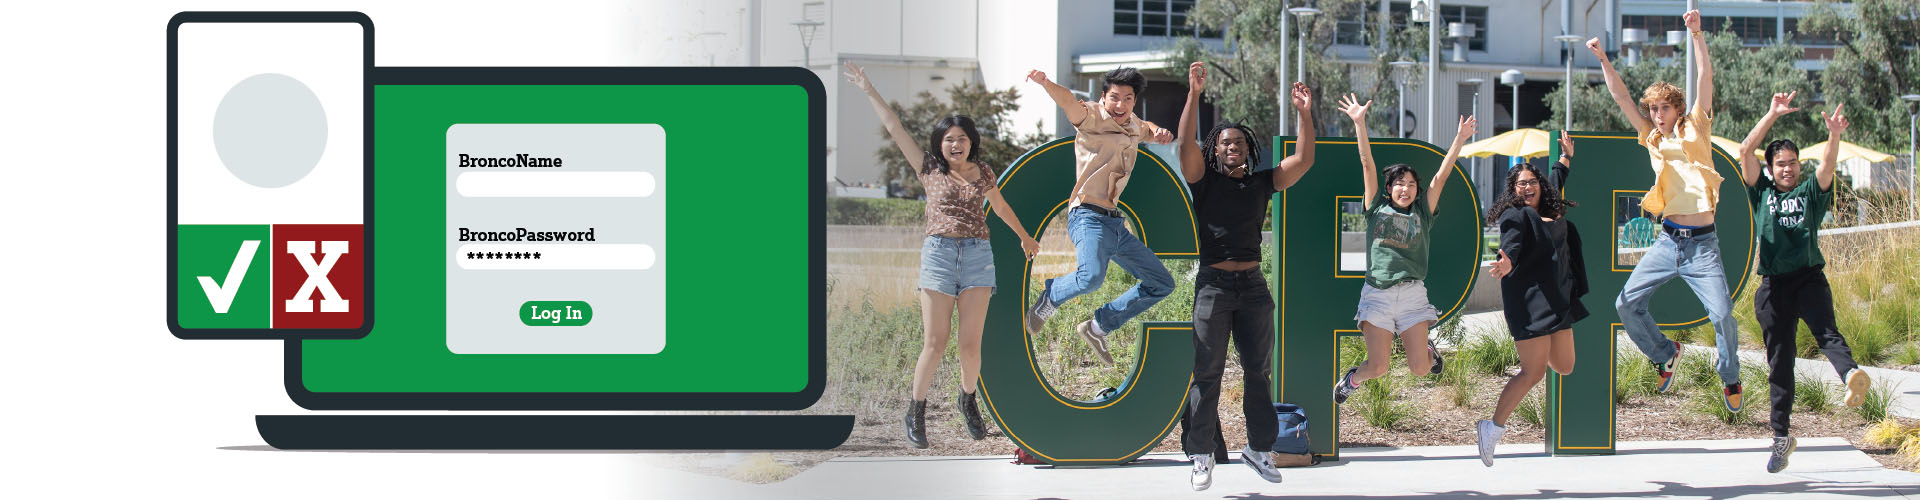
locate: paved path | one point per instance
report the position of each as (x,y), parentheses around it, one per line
(1822,468)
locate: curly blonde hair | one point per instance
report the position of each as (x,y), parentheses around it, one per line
(1663,92)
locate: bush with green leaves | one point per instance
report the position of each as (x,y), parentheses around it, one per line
(1879,402)
(1634,377)
(1491,354)
(1532,409)
(1379,404)
(1812,394)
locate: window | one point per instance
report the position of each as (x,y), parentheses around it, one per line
(1155,18)
(1353,30)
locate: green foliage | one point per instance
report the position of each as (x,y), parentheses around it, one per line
(1634,377)
(1906,355)
(875,212)
(1812,394)
(1872,66)
(1378,404)
(992,112)
(1462,384)
(1532,409)
(1244,80)
(1711,402)
(1879,402)
(1492,354)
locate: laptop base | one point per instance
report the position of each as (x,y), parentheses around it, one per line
(554,432)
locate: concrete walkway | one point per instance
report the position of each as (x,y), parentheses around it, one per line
(1905,384)
(1822,468)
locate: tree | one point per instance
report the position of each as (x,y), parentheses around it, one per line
(991,111)
(1244,81)
(1873,65)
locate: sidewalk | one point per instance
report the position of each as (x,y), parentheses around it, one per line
(1823,467)
(1906,384)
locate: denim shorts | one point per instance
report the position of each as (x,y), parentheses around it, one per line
(952,265)
(1398,308)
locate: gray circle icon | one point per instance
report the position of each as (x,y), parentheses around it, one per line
(270,130)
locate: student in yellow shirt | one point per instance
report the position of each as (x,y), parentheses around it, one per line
(1685,190)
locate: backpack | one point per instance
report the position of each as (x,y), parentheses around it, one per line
(1290,449)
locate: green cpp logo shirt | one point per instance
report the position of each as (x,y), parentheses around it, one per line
(1788,224)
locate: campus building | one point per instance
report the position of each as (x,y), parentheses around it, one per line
(909,47)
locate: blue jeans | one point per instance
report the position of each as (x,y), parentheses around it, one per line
(1697,261)
(1098,239)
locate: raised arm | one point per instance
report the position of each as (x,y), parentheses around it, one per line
(1703,88)
(915,155)
(1621,96)
(1750,165)
(1564,165)
(1061,96)
(1295,165)
(1192,164)
(1830,160)
(1468,125)
(1028,245)
(1370,177)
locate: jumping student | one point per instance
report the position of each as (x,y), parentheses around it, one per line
(1106,133)
(1787,210)
(956,260)
(1394,299)
(1542,278)
(1230,296)
(1685,190)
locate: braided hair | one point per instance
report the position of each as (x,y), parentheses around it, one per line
(1213,138)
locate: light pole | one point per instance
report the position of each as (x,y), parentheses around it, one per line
(1400,70)
(807,29)
(1514,78)
(1426,11)
(1566,42)
(1304,14)
(1280,103)
(1913,162)
(1473,164)
(1692,59)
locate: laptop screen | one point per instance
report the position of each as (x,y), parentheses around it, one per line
(587,238)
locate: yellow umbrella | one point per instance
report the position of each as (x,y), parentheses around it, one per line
(1848,151)
(1732,147)
(1526,143)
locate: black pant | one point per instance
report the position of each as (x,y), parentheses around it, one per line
(1781,302)
(1233,304)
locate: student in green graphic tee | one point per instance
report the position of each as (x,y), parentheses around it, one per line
(1787,211)
(1397,244)
(1394,300)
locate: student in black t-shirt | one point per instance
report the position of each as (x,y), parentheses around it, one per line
(1787,211)
(1230,296)
(1542,278)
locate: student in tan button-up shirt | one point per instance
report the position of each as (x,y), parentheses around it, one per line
(1685,190)
(1104,150)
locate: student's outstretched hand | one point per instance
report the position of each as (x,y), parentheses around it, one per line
(1836,122)
(1593,44)
(1037,76)
(857,76)
(1783,104)
(1302,97)
(1351,106)
(1468,126)
(1501,268)
(1196,76)
(1029,246)
(1692,18)
(1566,144)
(1162,136)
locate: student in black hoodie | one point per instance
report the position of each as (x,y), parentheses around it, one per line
(1542,277)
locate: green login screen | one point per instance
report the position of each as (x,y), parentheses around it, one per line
(584,238)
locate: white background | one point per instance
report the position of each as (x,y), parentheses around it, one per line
(98,398)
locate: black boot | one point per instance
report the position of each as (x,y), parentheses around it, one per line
(917,424)
(975,427)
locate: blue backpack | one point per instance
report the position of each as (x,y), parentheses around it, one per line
(1291,446)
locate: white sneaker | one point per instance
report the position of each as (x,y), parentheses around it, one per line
(1261,462)
(1202,471)
(1489,436)
(1857,384)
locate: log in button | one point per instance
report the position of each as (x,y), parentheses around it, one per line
(556,313)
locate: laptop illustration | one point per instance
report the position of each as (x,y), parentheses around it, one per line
(554,239)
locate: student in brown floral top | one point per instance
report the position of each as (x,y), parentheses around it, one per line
(956,261)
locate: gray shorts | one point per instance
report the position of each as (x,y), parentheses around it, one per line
(1398,308)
